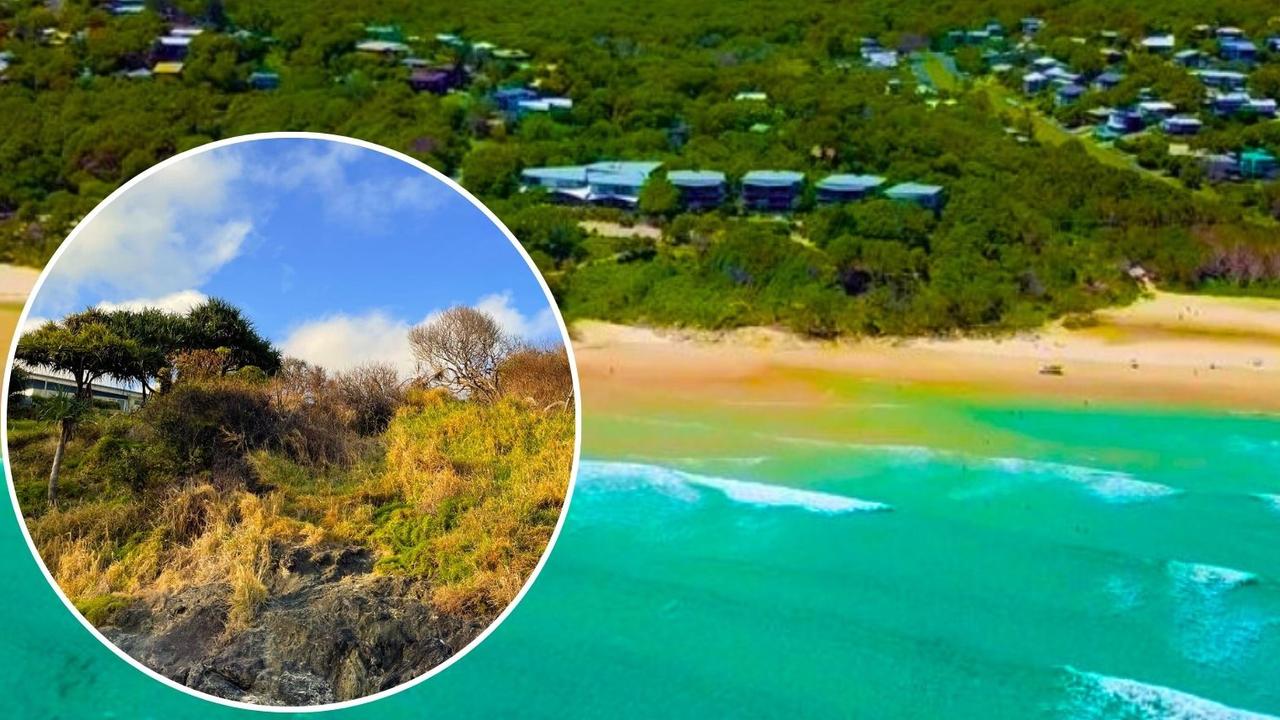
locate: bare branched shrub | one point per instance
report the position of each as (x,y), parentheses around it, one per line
(462,350)
(541,378)
(372,393)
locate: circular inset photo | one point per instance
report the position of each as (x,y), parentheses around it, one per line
(292,421)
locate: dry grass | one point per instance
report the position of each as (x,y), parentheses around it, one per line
(464,494)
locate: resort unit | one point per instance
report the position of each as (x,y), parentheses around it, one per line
(42,384)
(1222,79)
(381,47)
(845,188)
(508,99)
(1123,121)
(1158,43)
(1237,50)
(1107,81)
(1181,125)
(1034,82)
(699,189)
(126,7)
(437,80)
(771,190)
(556,105)
(615,184)
(1190,58)
(263,80)
(1258,165)
(1031,25)
(1222,166)
(171,48)
(931,197)
(1068,94)
(1153,111)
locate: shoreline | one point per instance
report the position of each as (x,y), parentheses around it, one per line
(1170,350)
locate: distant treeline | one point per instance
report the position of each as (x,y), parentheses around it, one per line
(1030,232)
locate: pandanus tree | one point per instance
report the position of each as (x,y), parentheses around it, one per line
(85,347)
(218,325)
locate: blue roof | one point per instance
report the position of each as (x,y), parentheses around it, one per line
(696,178)
(850,182)
(1071,90)
(631,180)
(562,172)
(515,92)
(772,178)
(1110,76)
(910,190)
(625,167)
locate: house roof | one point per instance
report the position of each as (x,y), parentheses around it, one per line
(381,46)
(773,178)
(1257,155)
(1110,76)
(1183,120)
(850,182)
(1071,90)
(167,68)
(913,190)
(175,40)
(571,173)
(696,178)
(625,167)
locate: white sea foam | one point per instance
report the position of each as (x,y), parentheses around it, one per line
(1114,486)
(1272,500)
(1092,696)
(1209,577)
(685,485)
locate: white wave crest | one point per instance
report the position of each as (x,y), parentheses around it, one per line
(1114,486)
(1092,696)
(685,485)
(1209,577)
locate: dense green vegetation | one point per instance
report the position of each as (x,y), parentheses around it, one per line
(225,469)
(1031,230)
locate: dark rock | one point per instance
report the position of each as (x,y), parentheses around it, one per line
(330,630)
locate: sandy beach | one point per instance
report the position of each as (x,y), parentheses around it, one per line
(1166,349)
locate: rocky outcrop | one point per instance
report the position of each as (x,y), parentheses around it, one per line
(331,630)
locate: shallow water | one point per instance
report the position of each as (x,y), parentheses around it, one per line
(1024,562)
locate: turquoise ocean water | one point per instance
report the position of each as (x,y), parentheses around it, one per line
(1101,564)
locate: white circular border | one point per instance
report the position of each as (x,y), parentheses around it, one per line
(564,336)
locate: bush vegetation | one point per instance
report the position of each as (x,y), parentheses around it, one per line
(1032,230)
(217,475)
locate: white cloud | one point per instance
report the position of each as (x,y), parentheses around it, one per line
(168,233)
(33,322)
(343,341)
(540,326)
(177,302)
(323,169)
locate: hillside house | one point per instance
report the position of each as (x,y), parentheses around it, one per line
(1258,164)
(1107,81)
(699,189)
(1237,50)
(1229,80)
(171,48)
(437,80)
(1068,94)
(1162,44)
(264,80)
(39,384)
(771,190)
(1181,125)
(1190,59)
(846,188)
(1034,83)
(931,197)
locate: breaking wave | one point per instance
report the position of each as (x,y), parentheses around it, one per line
(688,486)
(1114,486)
(1091,696)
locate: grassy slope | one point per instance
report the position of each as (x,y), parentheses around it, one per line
(464,495)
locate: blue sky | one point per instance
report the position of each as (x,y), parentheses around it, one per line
(335,251)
